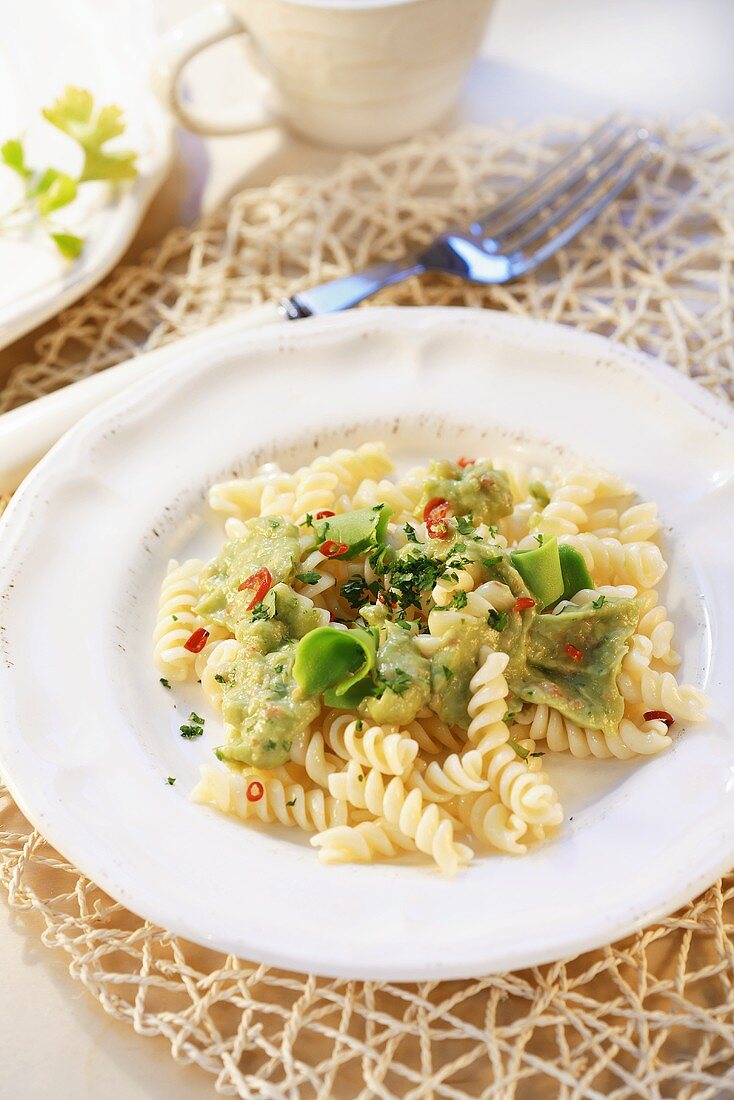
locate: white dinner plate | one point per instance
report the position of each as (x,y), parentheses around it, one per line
(105,46)
(88,735)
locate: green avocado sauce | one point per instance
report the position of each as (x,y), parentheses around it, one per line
(262,705)
(269,541)
(402,674)
(479,489)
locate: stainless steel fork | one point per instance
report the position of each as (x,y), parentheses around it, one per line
(518,234)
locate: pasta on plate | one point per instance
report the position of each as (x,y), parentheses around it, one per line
(392,657)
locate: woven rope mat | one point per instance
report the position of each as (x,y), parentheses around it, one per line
(650,1017)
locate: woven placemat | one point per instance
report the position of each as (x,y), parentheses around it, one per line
(652,1016)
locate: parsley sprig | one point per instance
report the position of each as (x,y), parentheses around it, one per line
(47,190)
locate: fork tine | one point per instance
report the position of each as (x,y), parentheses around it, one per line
(574,201)
(533,189)
(548,197)
(521,264)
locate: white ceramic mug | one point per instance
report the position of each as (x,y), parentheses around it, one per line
(341,72)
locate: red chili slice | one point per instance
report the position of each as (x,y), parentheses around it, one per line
(659,716)
(255,791)
(464,462)
(435,515)
(434,504)
(523,603)
(196,642)
(261,582)
(574,653)
(324,514)
(331,549)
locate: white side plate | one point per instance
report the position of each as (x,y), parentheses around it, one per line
(107,48)
(88,735)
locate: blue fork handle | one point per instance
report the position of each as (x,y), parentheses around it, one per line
(347,292)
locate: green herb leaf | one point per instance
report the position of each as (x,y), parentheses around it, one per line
(165,683)
(74,113)
(55,189)
(598,603)
(448,672)
(189,732)
(219,678)
(497,619)
(465,524)
(459,601)
(13,156)
(399,683)
(521,752)
(170,781)
(70,247)
(410,532)
(312,577)
(291,803)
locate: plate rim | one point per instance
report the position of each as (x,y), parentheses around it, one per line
(233,338)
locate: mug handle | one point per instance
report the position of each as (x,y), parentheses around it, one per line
(179,46)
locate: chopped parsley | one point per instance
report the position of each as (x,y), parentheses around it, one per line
(279,690)
(356,592)
(270,745)
(411,577)
(497,619)
(403,623)
(312,577)
(532,754)
(465,524)
(540,539)
(410,532)
(308,521)
(262,613)
(171,780)
(219,678)
(448,672)
(459,600)
(599,603)
(165,683)
(219,754)
(189,732)
(291,803)
(359,725)
(360,777)
(399,684)
(175,618)
(489,563)
(193,728)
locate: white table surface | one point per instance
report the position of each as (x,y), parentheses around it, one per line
(539,57)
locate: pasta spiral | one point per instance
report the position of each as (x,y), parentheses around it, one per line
(361,843)
(560,735)
(661,691)
(351,467)
(432,831)
(176,621)
(401,496)
(241,496)
(491,822)
(215,660)
(309,751)
(655,625)
(291,805)
(613,562)
(639,523)
(380,747)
